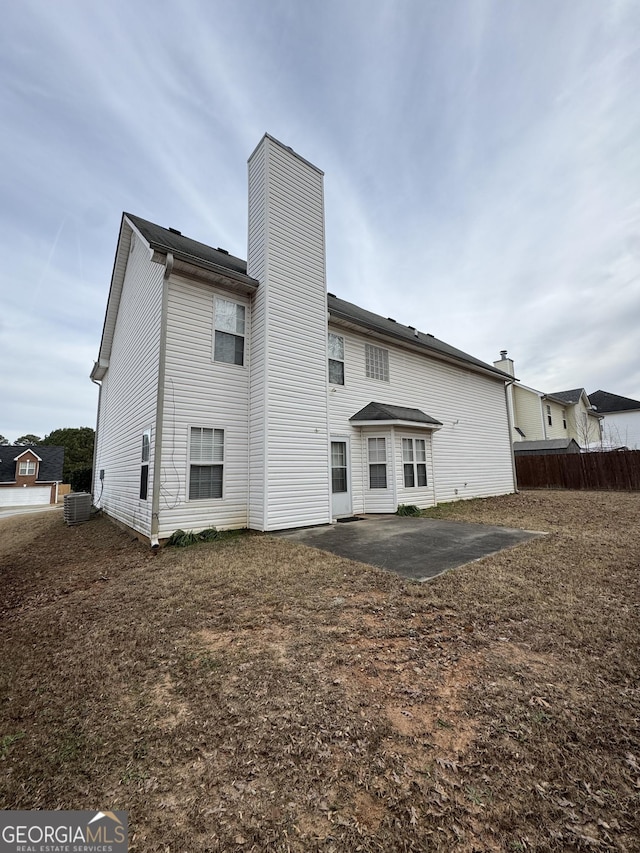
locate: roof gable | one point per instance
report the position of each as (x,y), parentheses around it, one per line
(50,467)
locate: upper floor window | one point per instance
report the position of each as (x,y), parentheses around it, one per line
(414,459)
(549,418)
(206,460)
(336,359)
(27,468)
(564,418)
(376,362)
(228,345)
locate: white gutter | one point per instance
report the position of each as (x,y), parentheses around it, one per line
(157,447)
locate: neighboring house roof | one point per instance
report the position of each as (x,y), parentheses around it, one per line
(49,470)
(383,412)
(607,403)
(551,445)
(572,398)
(352,315)
(568,397)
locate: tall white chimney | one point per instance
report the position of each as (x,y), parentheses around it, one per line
(505,364)
(289,478)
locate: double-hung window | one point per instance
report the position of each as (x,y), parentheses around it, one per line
(377,452)
(549,418)
(414,460)
(27,469)
(228,335)
(376,361)
(336,359)
(206,463)
(144,465)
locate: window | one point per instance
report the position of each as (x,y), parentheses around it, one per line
(414,459)
(377,448)
(144,464)
(564,418)
(336,359)
(549,419)
(27,468)
(206,458)
(338,467)
(376,362)
(228,344)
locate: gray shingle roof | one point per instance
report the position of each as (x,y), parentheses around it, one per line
(50,470)
(351,313)
(385,412)
(605,402)
(549,444)
(570,397)
(166,240)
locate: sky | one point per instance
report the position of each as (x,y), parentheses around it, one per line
(481,160)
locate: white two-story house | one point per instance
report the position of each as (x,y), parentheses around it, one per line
(242,394)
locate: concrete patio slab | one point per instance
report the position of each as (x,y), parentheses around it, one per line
(415,548)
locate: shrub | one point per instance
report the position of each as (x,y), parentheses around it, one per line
(182,538)
(408,509)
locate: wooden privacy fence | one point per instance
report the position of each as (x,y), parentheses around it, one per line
(618,470)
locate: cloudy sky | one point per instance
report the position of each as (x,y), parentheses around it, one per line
(482,163)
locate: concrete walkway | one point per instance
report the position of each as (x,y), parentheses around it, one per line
(415,548)
(8,511)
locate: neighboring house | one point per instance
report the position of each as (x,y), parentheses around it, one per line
(622,414)
(542,448)
(536,416)
(243,395)
(30,475)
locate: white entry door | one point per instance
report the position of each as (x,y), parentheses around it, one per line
(340,479)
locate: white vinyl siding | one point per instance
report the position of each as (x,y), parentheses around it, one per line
(290,465)
(129,393)
(528,414)
(469,456)
(202,393)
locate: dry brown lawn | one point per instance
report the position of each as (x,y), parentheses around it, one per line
(258,695)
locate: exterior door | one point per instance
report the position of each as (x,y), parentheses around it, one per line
(340,479)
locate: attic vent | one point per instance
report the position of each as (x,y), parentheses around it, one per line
(391,319)
(223,251)
(332,294)
(175,231)
(429,335)
(413,328)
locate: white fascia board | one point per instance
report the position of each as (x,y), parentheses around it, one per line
(396,423)
(28,450)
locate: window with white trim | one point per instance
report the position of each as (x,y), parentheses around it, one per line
(377,455)
(414,461)
(549,418)
(336,359)
(206,463)
(228,335)
(376,361)
(144,464)
(27,468)
(564,418)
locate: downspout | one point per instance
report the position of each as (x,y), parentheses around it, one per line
(507,386)
(157,445)
(95,442)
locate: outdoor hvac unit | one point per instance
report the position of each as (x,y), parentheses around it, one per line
(77,507)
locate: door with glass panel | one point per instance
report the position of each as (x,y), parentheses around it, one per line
(340,479)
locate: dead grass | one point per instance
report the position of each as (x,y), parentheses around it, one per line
(258,695)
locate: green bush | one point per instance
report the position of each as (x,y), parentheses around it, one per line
(182,538)
(408,509)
